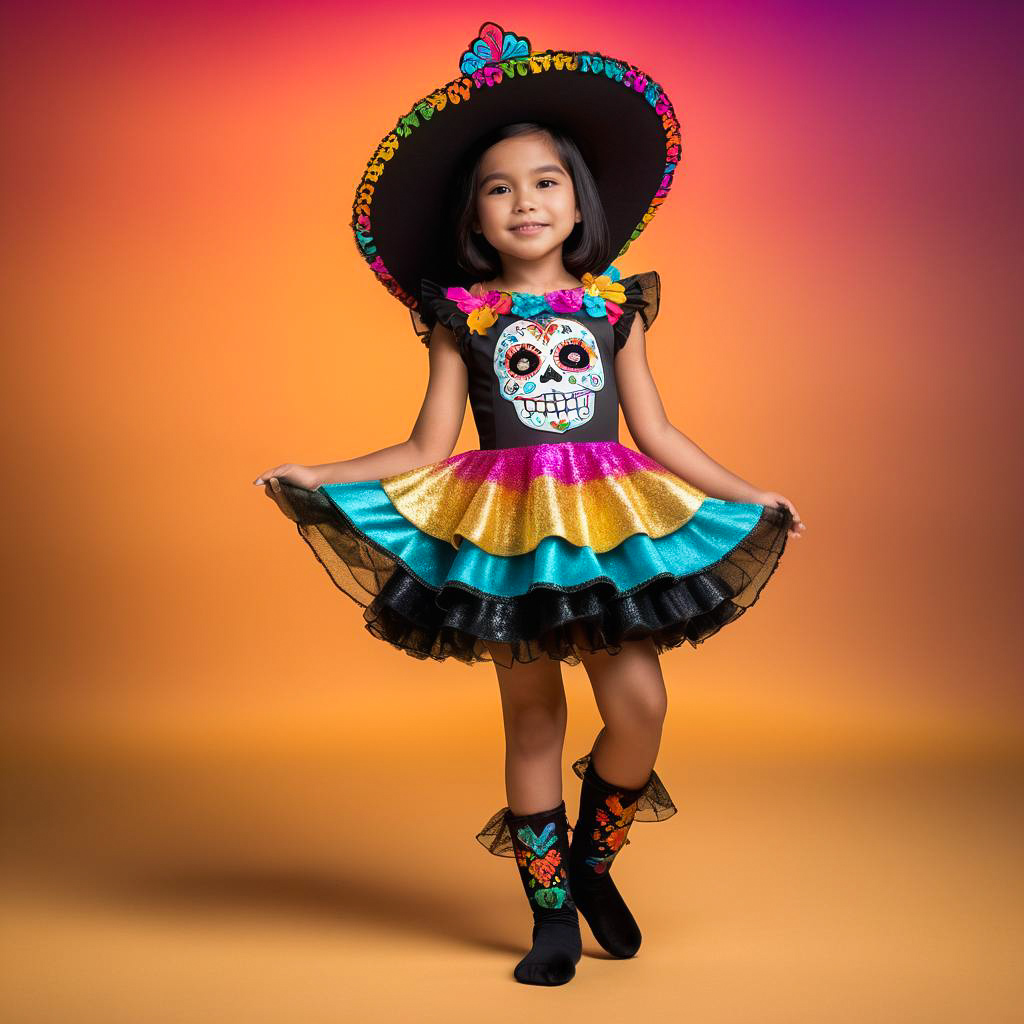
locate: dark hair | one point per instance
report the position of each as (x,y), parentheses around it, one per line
(588,247)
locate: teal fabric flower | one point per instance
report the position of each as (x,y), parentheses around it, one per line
(492,46)
(567,300)
(525,304)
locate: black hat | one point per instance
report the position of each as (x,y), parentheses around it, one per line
(619,117)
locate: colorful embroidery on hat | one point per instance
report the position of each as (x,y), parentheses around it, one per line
(492,46)
(494,56)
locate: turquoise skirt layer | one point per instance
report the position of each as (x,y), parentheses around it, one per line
(715,529)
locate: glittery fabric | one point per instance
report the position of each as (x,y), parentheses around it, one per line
(653,804)
(714,530)
(433,601)
(569,464)
(593,494)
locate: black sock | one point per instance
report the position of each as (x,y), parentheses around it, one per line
(541,845)
(606,813)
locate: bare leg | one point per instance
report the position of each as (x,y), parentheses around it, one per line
(630,692)
(535,714)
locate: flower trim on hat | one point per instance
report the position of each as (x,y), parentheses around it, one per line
(599,295)
(492,46)
(491,58)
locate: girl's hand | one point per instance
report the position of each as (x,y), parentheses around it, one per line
(771,498)
(302,476)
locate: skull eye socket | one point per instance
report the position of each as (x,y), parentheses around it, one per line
(573,356)
(522,360)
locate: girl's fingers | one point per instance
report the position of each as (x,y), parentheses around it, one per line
(274,494)
(267,474)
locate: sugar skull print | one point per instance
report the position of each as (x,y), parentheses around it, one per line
(550,369)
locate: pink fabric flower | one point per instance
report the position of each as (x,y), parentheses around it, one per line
(613,311)
(568,300)
(498,301)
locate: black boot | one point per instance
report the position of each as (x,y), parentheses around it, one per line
(541,845)
(606,813)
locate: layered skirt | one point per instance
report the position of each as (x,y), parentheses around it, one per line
(550,550)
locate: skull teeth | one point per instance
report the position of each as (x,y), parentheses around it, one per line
(555,403)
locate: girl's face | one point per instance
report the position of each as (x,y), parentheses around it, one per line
(522,181)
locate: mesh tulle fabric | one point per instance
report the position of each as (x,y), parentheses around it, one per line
(469,625)
(643,296)
(653,804)
(435,308)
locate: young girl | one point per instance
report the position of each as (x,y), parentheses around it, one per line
(493,211)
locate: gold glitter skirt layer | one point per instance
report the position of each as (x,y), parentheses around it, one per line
(599,513)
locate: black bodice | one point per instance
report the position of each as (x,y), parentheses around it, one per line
(539,376)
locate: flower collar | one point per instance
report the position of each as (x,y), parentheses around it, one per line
(599,295)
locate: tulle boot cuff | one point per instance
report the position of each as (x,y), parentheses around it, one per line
(653,804)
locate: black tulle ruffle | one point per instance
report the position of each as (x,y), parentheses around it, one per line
(653,804)
(457,621)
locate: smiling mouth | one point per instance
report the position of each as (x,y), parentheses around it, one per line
(528,229)
(555,403)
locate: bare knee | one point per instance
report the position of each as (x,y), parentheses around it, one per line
(645,708)
(630,689)
(536,728)
(533,707)
(633,707)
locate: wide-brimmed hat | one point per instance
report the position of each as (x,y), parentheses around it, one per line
(619,117)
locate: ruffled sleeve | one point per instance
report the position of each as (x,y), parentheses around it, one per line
(643,296)
(435,307)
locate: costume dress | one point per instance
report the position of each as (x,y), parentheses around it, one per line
(551,538)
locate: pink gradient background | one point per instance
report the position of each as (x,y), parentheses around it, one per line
(187,307)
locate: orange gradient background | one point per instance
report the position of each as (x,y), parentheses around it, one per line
(186,306)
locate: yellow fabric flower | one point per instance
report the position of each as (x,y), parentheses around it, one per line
(605,287)
(480,319)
